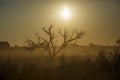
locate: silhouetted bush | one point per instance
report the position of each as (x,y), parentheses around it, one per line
(110,61)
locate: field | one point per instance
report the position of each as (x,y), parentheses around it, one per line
(82,63)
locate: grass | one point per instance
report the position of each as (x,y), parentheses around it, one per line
(61,68)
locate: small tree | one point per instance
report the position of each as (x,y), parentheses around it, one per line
(110,60)
(50,43)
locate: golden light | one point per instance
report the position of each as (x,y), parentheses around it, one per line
(66,13)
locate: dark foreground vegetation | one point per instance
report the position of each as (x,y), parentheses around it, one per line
(105,67)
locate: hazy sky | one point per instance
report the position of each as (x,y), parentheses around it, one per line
(21,19)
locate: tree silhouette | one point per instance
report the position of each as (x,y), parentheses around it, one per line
(50,44)
(118,42)
(110,61)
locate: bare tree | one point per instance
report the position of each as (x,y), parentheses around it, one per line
(50,43)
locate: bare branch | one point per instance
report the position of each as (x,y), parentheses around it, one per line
(50,43)
(29,42)
(68,38)
(38,38)
(45,30)
(72,34)
(51,26)
(61,33)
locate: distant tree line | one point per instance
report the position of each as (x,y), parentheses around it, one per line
(4,44)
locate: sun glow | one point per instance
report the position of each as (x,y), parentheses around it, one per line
(66,13)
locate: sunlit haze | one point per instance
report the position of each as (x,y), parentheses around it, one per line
(21,19)
(66,13)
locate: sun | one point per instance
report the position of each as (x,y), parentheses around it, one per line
(65,13)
